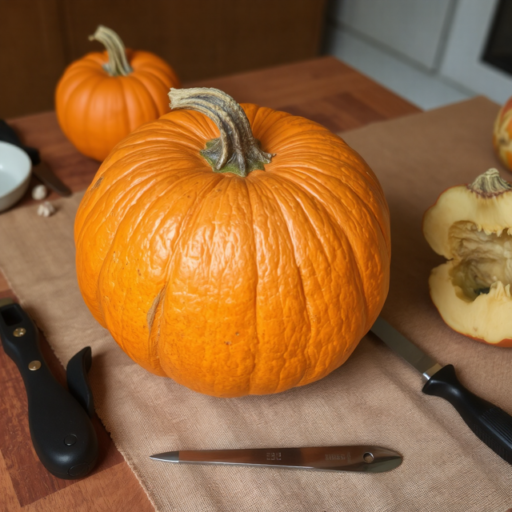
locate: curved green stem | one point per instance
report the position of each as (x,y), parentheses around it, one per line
(236,150)
(117,64)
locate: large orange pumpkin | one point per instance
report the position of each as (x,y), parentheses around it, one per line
(232,269)
(102,97)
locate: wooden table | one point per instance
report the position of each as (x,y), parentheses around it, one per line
(324,90)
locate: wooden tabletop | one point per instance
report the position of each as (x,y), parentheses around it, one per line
(324,90)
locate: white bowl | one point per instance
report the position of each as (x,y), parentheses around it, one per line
(15,167)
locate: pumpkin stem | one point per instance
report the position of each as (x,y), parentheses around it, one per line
(490,184)
(117,64)
(236,150)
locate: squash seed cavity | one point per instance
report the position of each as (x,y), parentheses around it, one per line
(482,260)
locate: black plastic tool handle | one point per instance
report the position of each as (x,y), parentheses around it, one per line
(62,433)
(490,423)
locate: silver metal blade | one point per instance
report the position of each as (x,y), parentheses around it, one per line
(50,179)
(369,459)
(405,349)
(167,457)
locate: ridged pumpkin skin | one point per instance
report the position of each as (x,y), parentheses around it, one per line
(234,286)
(96,111)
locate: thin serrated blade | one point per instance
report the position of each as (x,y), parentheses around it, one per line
(405,349)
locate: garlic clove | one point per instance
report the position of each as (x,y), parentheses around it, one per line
(39,192)
(46,209)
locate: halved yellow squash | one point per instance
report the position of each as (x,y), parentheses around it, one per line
(471,226)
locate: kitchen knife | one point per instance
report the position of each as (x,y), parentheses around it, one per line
(368,459)
(48,178)
(490,423)
(39,167)
(61,430)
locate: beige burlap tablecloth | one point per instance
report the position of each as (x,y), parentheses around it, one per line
(374,398)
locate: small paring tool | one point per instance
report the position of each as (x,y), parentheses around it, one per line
(362,458)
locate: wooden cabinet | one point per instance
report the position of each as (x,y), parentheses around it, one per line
(199,38)
(32,55)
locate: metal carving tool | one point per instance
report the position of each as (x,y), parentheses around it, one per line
(491,424)
(365,459)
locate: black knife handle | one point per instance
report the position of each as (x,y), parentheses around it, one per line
(490,423)
(61,431)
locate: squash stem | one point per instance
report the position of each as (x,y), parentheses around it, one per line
(117,64)
(236,150)
(490,184)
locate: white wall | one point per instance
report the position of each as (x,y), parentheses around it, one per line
(466,43)
(413,28)
(430,47)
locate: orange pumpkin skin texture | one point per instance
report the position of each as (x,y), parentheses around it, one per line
(96,110)
(502,134)
(234,285)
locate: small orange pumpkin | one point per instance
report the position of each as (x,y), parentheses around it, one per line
(248,263)
(502,134)
(103,97)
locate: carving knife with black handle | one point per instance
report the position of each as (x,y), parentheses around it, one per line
(39,167)
(490,423)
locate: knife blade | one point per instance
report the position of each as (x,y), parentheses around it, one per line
(369,459)
(44,173)
(488,422)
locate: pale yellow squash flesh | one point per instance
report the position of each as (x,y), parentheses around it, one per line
(471,226)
